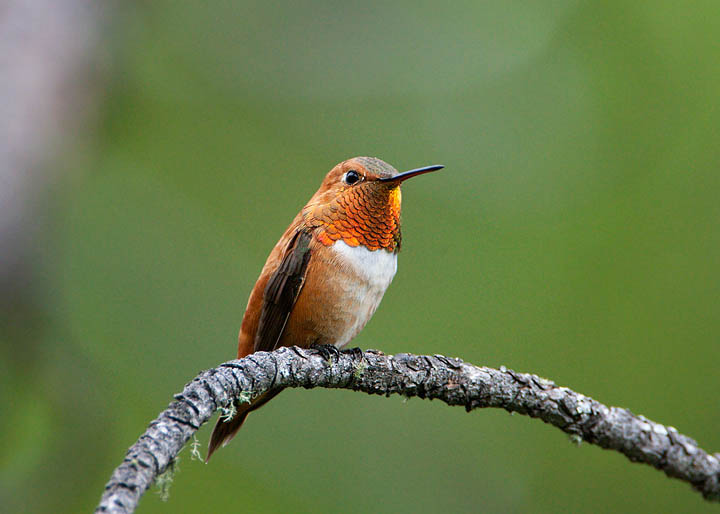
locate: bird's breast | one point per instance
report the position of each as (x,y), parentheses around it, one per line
(375,268)
(343,287)
(362,277)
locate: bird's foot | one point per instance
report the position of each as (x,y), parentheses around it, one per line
(356,353)
(326,351)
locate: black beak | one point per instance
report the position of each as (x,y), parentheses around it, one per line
(412,173)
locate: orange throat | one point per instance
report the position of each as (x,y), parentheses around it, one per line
(359,217)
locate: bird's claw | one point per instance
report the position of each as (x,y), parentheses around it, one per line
(326,351)
(356,353)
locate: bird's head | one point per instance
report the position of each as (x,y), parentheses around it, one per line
(359,202)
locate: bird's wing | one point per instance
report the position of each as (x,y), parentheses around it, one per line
(282,291)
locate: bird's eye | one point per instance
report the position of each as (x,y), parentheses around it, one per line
(351,177)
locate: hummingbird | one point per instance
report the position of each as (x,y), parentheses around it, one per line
(326,275)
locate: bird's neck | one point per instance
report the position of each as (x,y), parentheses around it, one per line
(361,218)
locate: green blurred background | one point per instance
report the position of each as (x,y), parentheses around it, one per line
(573,234)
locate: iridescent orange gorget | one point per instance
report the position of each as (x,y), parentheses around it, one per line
(359,217)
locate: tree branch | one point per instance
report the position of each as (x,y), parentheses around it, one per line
(450,380)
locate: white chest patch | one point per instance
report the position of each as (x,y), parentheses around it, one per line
(377,267)
(369,274)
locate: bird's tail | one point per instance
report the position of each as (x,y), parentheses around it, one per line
(225,429)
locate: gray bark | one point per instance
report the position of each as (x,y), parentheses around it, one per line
(437,377)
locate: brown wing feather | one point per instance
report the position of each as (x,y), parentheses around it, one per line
(279,297)
(282,291)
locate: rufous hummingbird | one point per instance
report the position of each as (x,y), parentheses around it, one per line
(326,276)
